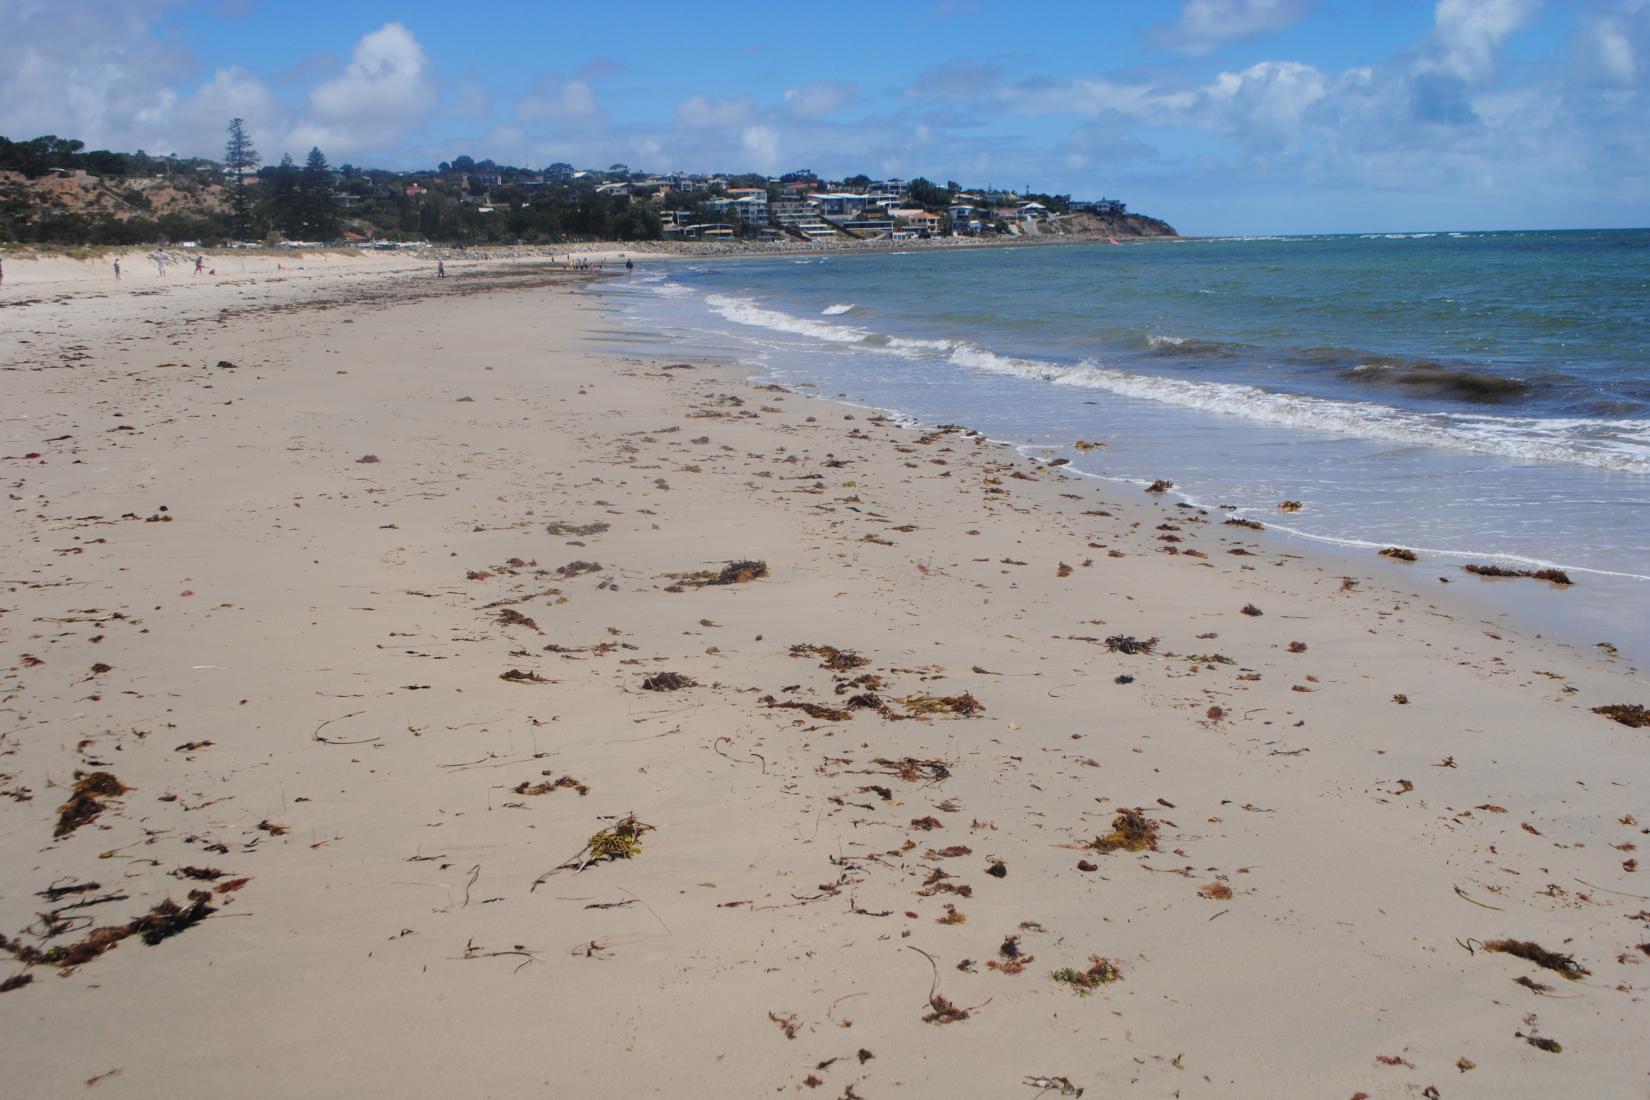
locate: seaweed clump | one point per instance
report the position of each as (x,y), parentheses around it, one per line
(1131,831)
(1564,965)
(621,841)
(964,705)
(160,923)
(1552,576)
(581,530)
(838,660)
(668,681)
(812,710)
(527,786)
(85,804)
(1399,553)
(1084,982)
(1128,643)
(1628,714)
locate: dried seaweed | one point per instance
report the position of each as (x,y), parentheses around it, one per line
(1160,486)
(812,710)
(1289,505)
(668,681)
(511,617)
(84,804)
(912,770)
(1251,610)
(1399,553)
(739,572)
(1084,982)
(16,981)
(1128,643)
(1628,714)
(527,786)
(160,923)
(585,530)
(574,568)
(1249,523)
(1131,831)
(1554,576)
(838,660)
(1564,965)
(964,705)
(519,676)
(621,841)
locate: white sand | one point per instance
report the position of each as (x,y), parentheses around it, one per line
(391,939)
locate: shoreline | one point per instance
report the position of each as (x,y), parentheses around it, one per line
(1585,614)
(355,689)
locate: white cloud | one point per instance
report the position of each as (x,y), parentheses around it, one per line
(1206,24)
(761,147)
(1469,33)
(385,92)
(698,111)
(557,100)
(821,97)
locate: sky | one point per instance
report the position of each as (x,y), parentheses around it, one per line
(1219,116)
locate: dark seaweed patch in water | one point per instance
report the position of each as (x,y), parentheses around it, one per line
(1186,347)
(1437,380)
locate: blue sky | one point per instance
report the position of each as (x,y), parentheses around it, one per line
(1221,116)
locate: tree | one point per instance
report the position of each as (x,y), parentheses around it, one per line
(320,209)
(285,209)
(926,195)
(238,157)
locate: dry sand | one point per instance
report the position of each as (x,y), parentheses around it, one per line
(292,658)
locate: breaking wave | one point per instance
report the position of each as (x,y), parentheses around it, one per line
(836,311)
(1618,444)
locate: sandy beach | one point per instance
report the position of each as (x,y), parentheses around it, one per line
(356,623)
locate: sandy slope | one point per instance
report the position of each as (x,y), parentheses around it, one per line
(303,689)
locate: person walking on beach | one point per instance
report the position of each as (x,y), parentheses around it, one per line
(117,267)
(440,269)
(2,272)
(200,264)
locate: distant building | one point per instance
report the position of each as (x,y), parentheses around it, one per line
(839,204)
(558,173)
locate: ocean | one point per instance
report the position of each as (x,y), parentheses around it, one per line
(1472,396)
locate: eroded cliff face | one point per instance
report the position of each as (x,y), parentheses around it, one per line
(1112,225)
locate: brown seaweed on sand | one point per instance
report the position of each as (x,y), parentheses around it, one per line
(1249,523)
(84,804)
(812,710)
(668,681)
(527,786)
(574,568)
(1628,714)
(160,923)
(584,530)
(518,676)
(1564,965)
(912,770)
(1160,486)
(1084,982)
(1553,576)
(964,705)
(1399,553)
(1131,831)
(1128,643)
(839,660)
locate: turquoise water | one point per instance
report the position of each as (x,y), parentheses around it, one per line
(1480,396)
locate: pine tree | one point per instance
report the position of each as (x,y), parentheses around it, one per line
(320,209)
(285,208)
(239,156)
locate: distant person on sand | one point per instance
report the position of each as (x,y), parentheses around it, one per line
(440,269)
(2,271)
(200,264)
(117,267)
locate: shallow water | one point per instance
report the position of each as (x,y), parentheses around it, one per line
(1474,397)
